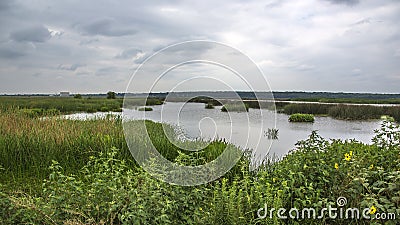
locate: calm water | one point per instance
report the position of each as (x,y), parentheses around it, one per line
(247,129)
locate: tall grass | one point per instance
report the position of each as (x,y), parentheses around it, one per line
(343,111)
(29,145)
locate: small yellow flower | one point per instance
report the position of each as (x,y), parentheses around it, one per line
(371,166)
(201,209)
(273,179)
(347,157)
(336,166)
(372,210)
(351,153)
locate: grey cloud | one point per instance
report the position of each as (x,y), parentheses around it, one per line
(106,71)
(8,53)
(397,53)
(72,67)
(363,21)
(344,2)
(129,53)
(32,34)
(106,27)
(89,41)
(5,5)
(274,3)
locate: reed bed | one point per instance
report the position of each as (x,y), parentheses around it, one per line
(343,111)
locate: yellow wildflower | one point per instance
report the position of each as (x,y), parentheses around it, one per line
(336,166)
(347,157)
(273,179)
(372,210)
(371,166)
(351,153)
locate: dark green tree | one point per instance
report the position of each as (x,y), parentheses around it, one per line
(78,96)
(111,95)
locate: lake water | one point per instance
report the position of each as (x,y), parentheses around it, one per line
(247,129)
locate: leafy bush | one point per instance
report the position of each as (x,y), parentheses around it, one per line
(78,96)
(111,95)
(145,109)
(298,117)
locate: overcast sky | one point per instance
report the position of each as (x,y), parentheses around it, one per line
(49,46)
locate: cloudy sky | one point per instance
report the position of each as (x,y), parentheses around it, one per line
(94,46)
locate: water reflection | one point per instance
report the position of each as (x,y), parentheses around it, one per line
(243,129)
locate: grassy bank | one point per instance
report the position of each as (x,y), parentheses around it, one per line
(64,105)
(57,171)
(69,104)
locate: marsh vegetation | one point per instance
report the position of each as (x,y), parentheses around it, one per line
(65,171)
(299,117)
(59,171)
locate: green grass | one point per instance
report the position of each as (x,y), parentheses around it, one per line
(57,171)
(298,117)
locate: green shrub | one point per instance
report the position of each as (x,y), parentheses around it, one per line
(145,109)
(298,117)
(104,109)
(111,95)
(78,96)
